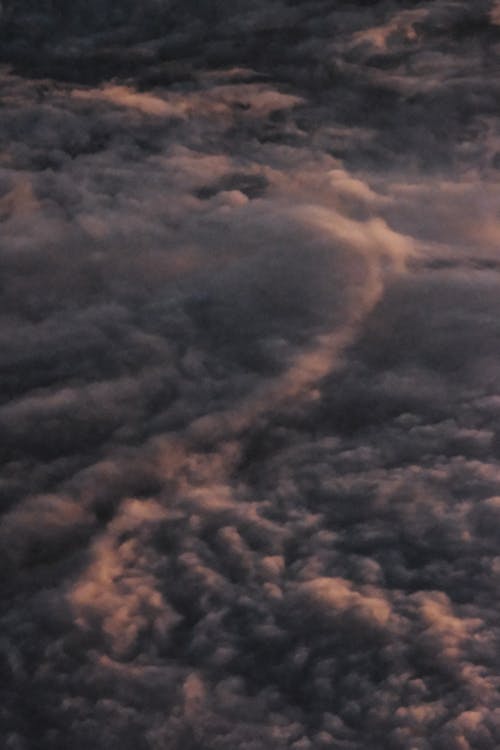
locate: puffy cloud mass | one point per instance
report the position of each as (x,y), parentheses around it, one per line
(249,364)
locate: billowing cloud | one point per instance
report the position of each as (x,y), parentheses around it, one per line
(249,364)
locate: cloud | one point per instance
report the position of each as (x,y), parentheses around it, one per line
(248,357)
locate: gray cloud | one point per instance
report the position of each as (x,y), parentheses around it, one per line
(248,356)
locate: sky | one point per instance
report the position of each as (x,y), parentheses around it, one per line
(249,375)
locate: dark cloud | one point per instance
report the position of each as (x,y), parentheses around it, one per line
(248,362)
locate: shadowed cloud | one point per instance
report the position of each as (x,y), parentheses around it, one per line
(249,365)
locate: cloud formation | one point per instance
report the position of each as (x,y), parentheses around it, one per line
(248,353)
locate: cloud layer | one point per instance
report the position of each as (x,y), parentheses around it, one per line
(249,363)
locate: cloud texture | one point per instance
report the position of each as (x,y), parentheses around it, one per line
(249,365)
